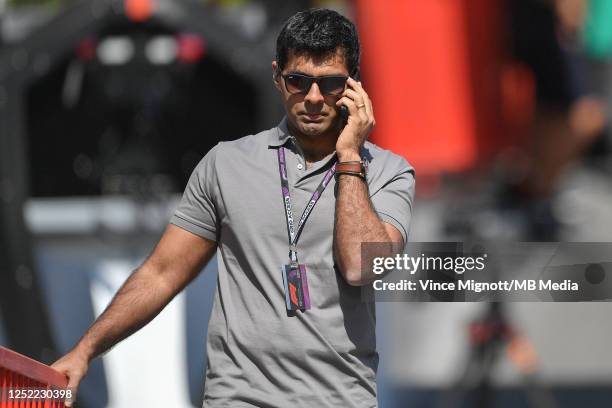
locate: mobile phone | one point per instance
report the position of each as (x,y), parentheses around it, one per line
(343,110)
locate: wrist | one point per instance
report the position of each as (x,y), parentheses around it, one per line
(84,351)
(348,155)
(351,168)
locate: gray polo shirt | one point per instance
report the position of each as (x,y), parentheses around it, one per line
(257,354)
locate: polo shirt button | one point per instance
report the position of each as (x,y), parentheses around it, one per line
(300,166)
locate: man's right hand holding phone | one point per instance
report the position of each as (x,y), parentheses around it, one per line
(360,121)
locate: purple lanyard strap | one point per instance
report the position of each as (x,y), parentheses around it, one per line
(293,231)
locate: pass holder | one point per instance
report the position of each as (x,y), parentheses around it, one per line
(295,282)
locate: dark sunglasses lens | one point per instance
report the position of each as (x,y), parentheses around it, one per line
(297,83)
(332,85)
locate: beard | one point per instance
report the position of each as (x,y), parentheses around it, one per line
(315,128)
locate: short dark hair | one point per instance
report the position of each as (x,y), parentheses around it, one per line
(318,32)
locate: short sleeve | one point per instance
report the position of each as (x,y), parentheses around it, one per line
(393,202)
(197,212)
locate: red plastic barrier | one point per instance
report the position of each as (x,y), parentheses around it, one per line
(26,383)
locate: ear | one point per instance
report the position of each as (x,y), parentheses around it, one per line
(276,75)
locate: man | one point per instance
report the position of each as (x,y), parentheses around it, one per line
(288,326)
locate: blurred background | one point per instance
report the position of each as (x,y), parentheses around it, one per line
(502,106)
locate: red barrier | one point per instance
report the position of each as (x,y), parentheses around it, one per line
(26,383)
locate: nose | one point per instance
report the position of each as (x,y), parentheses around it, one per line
(314,94)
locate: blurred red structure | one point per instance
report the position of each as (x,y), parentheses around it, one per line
(435,72)
(191,48)
(18,372)
(139,10)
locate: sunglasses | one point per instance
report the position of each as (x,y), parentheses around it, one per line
(328,85)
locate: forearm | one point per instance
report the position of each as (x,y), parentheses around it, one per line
(355,222)
(138,301)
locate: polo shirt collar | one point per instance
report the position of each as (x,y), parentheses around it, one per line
(281,135)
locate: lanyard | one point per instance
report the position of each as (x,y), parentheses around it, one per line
(293,231)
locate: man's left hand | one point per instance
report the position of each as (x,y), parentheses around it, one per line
(359,124)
